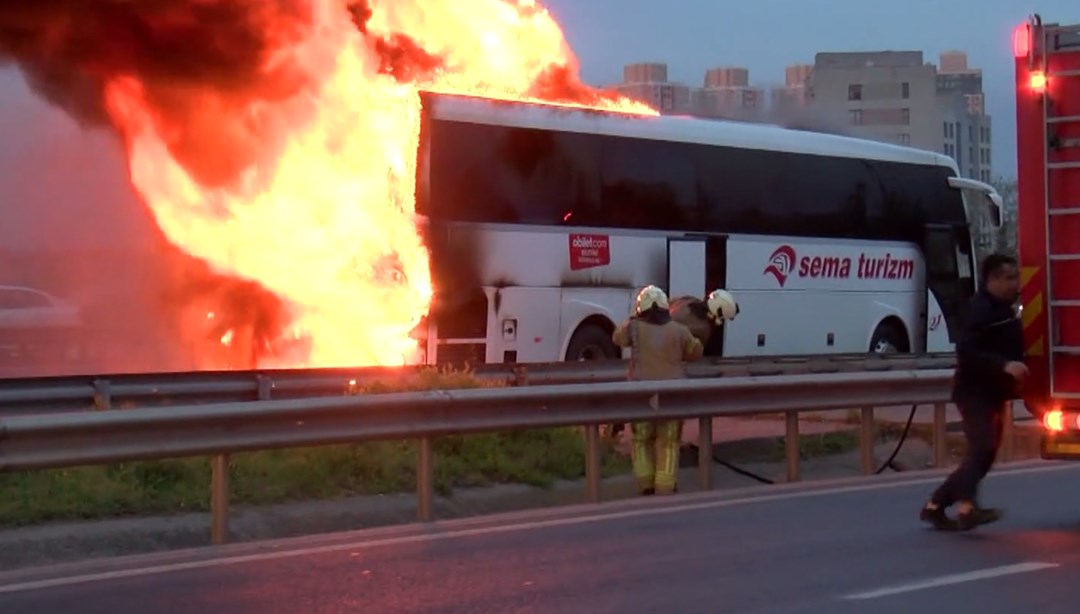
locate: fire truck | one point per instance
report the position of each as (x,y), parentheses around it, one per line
(1048,216)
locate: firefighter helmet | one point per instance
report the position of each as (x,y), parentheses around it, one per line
(650,296)
(722,306)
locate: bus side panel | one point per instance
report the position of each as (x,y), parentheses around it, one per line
(810,296)
(523,325)
(937,333)
(567,257)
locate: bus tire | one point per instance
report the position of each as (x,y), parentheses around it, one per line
(888,338)
(592,342)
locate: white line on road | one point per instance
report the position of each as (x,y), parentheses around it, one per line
(960,578)
(146,569)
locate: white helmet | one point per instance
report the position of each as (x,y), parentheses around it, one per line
(722,305)
(650,296)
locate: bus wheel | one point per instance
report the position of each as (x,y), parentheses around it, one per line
(888,338)
(591,342)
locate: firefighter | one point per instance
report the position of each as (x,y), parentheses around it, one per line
(658,347)
(703,317)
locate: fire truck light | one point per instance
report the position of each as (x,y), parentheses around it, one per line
(1021,41)
(1038,82)
(1054,420)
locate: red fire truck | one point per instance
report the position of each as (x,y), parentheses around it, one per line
(1048,150)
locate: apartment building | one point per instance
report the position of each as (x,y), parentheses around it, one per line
(648,82)
(725,92)
(896,96)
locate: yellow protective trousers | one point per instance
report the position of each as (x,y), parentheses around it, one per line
(655,454)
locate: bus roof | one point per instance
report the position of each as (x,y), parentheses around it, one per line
(674,128)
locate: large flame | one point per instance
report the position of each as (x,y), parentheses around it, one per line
(303,180)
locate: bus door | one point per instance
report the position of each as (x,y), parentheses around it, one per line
(950,282)
(697,264)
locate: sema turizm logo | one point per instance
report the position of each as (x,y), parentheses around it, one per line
(784,263)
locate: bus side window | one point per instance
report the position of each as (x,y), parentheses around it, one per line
(941,254)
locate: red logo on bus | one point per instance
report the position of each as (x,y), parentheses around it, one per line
(781,263)
(588,251)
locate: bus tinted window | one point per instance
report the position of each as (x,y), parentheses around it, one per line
(503,174)
(497,174)
(647,184)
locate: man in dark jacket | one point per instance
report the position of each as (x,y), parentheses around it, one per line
(989,374)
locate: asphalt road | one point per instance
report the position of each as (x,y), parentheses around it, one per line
(851,546)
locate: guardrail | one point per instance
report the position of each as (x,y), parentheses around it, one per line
(218,430)
(102,392)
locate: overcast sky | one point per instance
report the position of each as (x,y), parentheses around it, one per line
(60,184)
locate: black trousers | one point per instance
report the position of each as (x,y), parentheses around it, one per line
(983,424)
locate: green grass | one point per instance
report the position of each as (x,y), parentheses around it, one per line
(536,457)
(816,446)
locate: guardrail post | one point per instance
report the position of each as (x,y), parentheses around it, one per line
(866,440)
(265,387)
(791,446)
(941,441)
(102,394)
(705,454)
(592,463)
(425,479)
(219,499)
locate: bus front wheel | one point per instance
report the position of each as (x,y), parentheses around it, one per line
(888,338)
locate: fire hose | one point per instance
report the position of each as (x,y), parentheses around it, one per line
(616,428)
(887,464)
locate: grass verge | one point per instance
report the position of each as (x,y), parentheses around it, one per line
(817,446)
(535,457)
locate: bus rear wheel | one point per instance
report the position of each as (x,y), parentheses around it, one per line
(591,342)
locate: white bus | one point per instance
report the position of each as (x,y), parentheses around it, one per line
(543,222)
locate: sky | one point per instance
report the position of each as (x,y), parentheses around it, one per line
(66,185)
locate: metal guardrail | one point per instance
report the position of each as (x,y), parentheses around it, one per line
(102,392)
(218,430)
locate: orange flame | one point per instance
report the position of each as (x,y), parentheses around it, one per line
(321,212)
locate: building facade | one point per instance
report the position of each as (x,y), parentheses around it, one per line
(896,96)
(725,93)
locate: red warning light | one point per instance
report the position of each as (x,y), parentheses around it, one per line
(1054,420)
(1038,82)
(1021,41)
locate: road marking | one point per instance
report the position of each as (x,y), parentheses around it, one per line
(360,543)
(960,578)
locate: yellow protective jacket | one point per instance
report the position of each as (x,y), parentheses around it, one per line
(659,346)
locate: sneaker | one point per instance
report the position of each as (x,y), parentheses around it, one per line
(937,517)
(976,517)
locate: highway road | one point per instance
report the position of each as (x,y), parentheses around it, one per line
(838,546)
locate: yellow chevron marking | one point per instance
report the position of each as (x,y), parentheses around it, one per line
(1026,273)
(1033,309)
(1037,348)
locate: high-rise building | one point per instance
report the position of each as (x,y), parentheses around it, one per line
(648,82)
(794,95)
(965,123)
(895,96)
(726,92)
